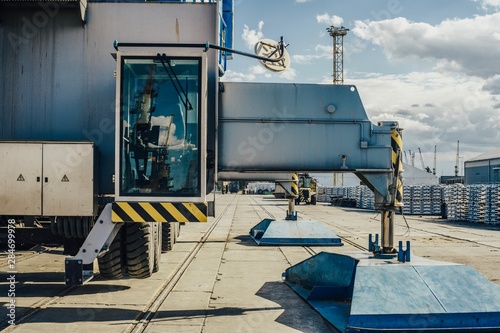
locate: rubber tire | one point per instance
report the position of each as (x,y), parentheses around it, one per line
(168,236)
(313,200)
(112,265)
(140,249)
(79,227)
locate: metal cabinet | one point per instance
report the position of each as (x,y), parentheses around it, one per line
(47,178)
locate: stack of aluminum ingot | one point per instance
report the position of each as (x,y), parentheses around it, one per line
(336,191)
(477,196)
(455,197)
(492,211)
(431,198)
(473,203)
(417,199)
(321,193)
(407,200)
(366,198)
(422,199)
(437,198)
(351,192)
(325,193)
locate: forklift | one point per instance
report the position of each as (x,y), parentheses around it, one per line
(307,190)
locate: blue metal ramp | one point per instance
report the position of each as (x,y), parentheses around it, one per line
(370,294)
(299,233)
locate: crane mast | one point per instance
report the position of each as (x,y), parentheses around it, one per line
(421,159)
(434,166)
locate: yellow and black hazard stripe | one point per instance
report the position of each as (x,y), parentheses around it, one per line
(295,184)
(159,212)
(397,163)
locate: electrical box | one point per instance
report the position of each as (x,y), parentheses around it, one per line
(47,178)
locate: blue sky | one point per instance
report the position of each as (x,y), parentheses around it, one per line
(434,66)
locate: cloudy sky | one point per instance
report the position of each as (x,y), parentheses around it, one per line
(434,66)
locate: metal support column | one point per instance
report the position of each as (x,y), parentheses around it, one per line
(291,214)
(291,205)
(387,241)
(396,193)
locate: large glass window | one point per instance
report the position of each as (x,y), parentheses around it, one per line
(160,129)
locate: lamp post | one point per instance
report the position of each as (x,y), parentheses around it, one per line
(338,34)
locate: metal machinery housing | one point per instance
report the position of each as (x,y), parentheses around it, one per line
(150,154)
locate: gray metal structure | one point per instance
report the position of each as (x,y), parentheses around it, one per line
(301,127)
(287,118)
(58,84)
(483,169)
(58,77)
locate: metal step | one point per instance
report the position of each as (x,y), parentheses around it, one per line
(298,233)
(366,293)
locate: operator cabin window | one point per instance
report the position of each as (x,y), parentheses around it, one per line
(160,127)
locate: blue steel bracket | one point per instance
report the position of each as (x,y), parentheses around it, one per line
(404,255)
(291,217)
(373,244)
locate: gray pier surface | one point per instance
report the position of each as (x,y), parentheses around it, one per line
(230,284)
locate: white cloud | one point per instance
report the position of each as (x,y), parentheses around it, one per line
(305,58)
(251,36)
(330,20)
(258,72)
(493,85)
(322,52)
(289,74)
(302,1)
(459,45)
(232,76)
(325,50)
(487,4)
(302,58)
